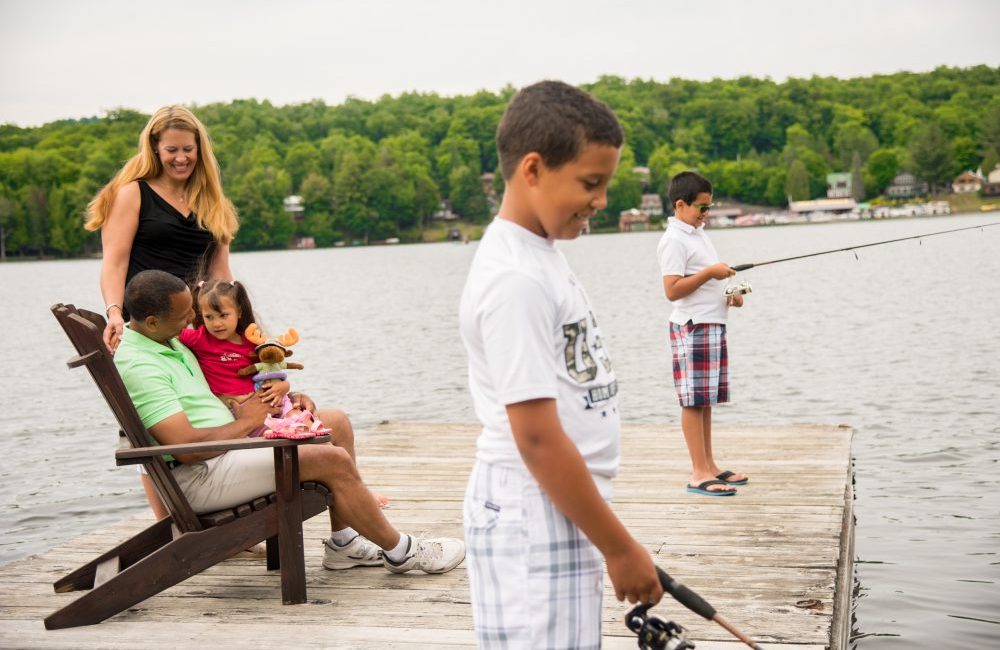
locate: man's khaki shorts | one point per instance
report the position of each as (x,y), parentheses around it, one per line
(229,480)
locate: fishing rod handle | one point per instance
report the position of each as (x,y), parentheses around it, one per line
(741,267)
(685,596)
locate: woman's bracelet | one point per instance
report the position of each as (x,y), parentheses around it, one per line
(107,311)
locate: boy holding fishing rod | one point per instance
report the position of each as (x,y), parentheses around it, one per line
(536,515)
(692,282)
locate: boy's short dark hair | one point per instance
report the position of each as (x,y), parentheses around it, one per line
(686,187)
(555,120)
(148,294)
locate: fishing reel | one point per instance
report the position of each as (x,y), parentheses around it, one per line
(654,633)
(741,288)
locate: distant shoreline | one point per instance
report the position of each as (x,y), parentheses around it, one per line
(609,231)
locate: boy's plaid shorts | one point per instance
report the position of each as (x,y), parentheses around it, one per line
(701,363)
(536,581)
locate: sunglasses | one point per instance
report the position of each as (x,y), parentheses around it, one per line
(703,207)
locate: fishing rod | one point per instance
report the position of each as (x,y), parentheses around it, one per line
(657,634)
(744,267)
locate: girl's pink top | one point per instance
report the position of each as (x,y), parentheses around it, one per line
(220,361)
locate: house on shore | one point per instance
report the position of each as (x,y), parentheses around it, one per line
(643,174)
(992,186)
(652,205)
(294,206)
(824,209)
(838,186)
(444,212)
(724,217)
(968,182)
(906,186)
(633,220)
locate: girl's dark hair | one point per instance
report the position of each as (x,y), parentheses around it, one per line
(212,290)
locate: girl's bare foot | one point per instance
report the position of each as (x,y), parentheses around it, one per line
(380,499)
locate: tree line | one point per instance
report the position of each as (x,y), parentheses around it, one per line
(370,170)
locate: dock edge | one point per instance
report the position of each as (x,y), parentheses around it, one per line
(840,625)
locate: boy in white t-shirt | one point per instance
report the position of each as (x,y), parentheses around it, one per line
(536,513)
(692,282)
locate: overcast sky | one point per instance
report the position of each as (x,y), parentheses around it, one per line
(78,58)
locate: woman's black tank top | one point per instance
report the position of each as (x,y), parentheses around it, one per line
(168,241)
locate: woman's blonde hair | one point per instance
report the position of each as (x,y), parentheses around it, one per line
(215,213)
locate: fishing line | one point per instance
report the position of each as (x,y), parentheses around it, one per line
(744,267)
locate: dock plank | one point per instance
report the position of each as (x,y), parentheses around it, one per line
(784,539)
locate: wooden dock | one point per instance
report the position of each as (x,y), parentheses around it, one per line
(776,560)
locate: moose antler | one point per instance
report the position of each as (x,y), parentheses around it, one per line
(254,335)
(291,337)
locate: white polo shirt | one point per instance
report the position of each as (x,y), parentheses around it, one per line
(684,250)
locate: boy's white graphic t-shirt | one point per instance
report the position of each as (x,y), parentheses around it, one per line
(684,250)
(530,333)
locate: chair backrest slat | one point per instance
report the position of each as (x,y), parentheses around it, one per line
(84,329)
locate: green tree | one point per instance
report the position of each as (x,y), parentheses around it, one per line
(932,156)
(990,138)
(453,152)
(317,194)
(802,146)
(693,140)
(35,200)
(467,196)
(301,159)
(966,153)
(851,138)
(100,166)
(66,237)
(797,182)
(259,197)
(16,228)
(662,163)
(745,180)
(6,210)
(409,192)
(775,193)
(882,167)
(625,189)
(857,179)
(353,184)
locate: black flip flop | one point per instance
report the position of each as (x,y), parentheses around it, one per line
(724,477)
(702,488)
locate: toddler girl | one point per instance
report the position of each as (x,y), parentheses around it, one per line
(222,314)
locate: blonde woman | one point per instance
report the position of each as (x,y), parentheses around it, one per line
(163,210)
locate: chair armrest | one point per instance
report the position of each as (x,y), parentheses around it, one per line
(137,455)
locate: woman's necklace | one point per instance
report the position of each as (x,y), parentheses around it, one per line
(162,189)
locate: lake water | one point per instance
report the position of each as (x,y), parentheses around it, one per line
(902,343)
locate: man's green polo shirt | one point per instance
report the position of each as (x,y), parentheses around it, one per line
(163,381)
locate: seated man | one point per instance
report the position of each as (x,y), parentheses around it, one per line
(170,393)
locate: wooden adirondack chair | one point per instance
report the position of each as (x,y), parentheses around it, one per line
(185,543)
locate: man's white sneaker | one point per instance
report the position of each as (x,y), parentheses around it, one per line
(358,552)
(435,555)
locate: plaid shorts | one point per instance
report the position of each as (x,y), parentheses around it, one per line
(536,581)
(701,363)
